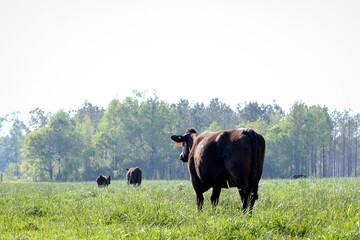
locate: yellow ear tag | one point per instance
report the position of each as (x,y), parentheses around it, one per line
(179,143)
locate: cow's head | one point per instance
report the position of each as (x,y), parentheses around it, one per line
(187,141)
(109,179)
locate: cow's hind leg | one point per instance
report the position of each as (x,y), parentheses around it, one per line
(215,196)
(199,190)
(252,202)
(199,201)
(244,191)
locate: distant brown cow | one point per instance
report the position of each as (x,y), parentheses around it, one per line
(231,158)
(134,176)
(103,181)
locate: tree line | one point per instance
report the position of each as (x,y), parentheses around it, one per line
(78,145)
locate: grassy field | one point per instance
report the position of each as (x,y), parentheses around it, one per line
(286,209)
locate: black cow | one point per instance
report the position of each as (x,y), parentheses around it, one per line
(296,176)
(103,181)
(231,158)
(134,176)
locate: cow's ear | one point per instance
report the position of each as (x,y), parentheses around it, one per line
(178,138)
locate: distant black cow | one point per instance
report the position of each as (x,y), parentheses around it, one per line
(103,181)
(298,176)
(134,176)
(231,158)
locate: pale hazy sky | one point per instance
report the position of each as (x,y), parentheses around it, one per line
(57,54)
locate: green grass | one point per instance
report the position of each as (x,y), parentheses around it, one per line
(286,209)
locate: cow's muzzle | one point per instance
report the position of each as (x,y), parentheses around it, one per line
(182,158)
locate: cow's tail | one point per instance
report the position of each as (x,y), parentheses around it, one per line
(254,166)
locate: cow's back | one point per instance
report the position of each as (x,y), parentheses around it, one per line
(102,180)
(137,173)
(134,176)
(220,157)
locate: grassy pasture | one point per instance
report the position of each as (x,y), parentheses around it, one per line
(286,209)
